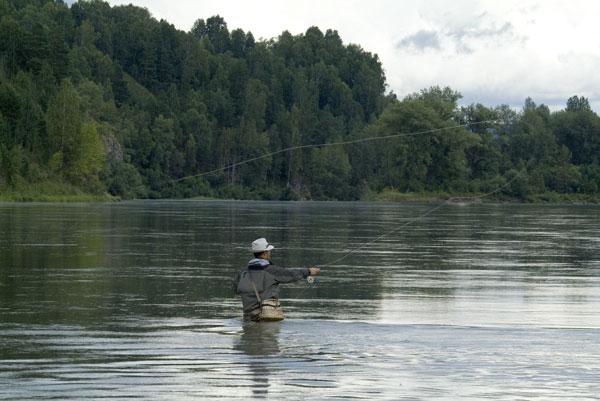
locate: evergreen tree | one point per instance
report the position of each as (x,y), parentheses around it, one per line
(78,82)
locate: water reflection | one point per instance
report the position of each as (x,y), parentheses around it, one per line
(98,300)
(260,342)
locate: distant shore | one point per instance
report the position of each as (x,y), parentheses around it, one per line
(51,192)
(433,197)
(66,193)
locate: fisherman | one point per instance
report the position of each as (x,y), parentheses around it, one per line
(262,278)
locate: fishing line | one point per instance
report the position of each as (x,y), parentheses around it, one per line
(341,143)
(430,211)
(289,149)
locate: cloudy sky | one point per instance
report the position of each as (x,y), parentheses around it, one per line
(493,52)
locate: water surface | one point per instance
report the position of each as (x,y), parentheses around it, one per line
(133,300)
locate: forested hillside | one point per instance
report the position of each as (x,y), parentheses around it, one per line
(108,99)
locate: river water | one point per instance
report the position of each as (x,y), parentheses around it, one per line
(133,300)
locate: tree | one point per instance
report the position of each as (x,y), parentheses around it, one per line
(12,162)
(5,137)
(31,127)
(10,108)
(369,84)
(215,28)
(195,123)
(578,128)
(191,162)
(148,63)
(517,183)
(295,140)
(442,101)
(330,173)
(34,47)
(483,155)
(179,104)
(195,70)
(11,43)
(238,43)
(431,160)
(87,155)
(255,103)
(58,56)
(576,103)
(404,160)
(565,177)
(590,178)
(163,136)
(199,28)
(119,85)
(532,137)
(125,181)
(64,125)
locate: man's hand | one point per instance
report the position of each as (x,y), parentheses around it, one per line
(314,271)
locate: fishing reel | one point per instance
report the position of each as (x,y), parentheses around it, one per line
(310,279)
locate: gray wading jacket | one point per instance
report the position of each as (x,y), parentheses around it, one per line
(267,278)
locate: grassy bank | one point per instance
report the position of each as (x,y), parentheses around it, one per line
(64,192)
(50,192)
(390,195)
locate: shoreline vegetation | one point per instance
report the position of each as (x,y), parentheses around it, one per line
(53,192)
(101,102)
(437,197)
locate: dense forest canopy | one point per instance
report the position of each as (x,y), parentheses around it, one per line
(109,99)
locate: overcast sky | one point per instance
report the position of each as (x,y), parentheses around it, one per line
(493,52)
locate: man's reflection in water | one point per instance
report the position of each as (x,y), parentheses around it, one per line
(260,341)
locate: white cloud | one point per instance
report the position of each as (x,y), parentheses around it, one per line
(502,54)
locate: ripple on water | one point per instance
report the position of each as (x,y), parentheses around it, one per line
(207,359)
(133,300)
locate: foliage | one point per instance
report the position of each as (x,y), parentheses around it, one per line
(108,99)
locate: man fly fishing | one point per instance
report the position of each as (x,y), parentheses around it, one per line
(258,283)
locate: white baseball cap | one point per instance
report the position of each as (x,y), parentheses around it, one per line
(261,245)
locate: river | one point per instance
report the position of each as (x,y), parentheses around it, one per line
(133,300)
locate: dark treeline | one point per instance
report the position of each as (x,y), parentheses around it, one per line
(109,99)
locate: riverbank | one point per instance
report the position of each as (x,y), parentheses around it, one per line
(51,192)
(389,195)
(63,192)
